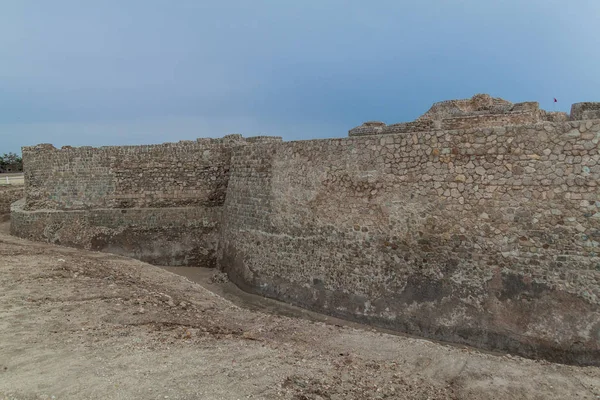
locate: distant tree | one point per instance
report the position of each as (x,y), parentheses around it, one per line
(11,161)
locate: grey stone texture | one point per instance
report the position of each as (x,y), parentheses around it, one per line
(486,236)
(157,203)
(192,173)
(160,236)
(584,111)
(480,111)
(8,195)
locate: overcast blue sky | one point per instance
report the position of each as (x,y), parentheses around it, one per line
(112,72)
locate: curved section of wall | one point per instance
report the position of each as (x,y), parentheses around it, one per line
(160,236)
(485,237)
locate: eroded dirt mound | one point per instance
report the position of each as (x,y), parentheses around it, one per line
(82,325)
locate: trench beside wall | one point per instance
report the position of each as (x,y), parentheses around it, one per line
(487,237)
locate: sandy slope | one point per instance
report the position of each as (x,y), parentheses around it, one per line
(82,325)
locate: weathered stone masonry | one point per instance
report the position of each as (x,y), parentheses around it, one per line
(487,236)
(158,203)
(8,195)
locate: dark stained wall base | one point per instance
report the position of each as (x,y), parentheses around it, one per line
(422,309)
(163,236)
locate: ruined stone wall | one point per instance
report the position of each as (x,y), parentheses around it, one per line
(488,237)
(490,120)
(192,173)
(159,203)
(458,122)
(415,126)
(479,103)
(160,236)
(482,236)
(585,111)
(8,195)
(480,111)
(368,128)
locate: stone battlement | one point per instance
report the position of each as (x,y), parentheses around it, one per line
(478,223)
(233,139)
(480,111)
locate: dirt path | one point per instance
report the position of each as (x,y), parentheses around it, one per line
(82,325)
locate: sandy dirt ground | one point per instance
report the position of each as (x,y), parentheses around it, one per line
(84,325)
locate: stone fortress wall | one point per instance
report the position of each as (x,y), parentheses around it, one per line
(8,195)
(480,111)
(180,174)
(158,203)
(485,235)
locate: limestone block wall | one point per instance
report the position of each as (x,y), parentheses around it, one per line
(490,120)
(482,120)
(192,173)
(368,128)
(479,103)
(554,116)
(160,203)
(488,237)
(480,111)
(8,195)
(160,236)
(585,111)
(414,126)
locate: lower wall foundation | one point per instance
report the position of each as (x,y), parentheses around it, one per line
(185,236)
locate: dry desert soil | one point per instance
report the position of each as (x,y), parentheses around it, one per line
(84,325)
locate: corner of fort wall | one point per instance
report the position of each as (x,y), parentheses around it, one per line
(158,203)
(585,111)
(8,195)
(478,236)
